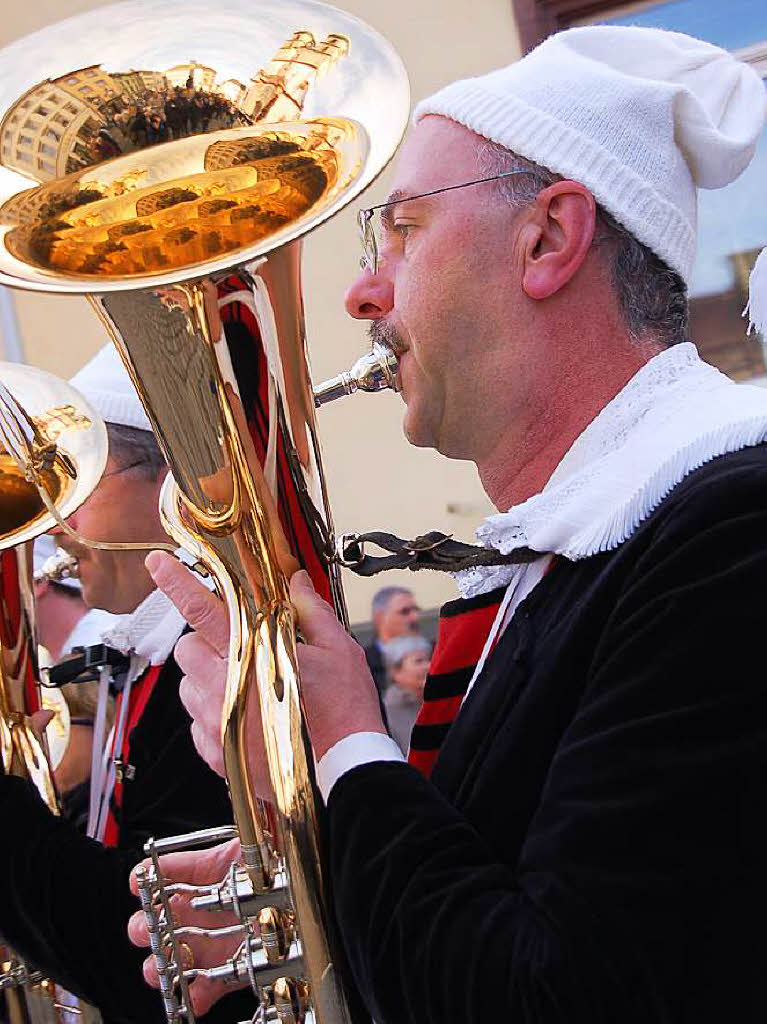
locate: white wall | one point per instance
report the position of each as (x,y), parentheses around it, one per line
(375,478)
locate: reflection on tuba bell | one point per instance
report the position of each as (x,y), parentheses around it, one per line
(176,199)
(50,440)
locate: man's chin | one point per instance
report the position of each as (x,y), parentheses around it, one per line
(415,430)
(93,595)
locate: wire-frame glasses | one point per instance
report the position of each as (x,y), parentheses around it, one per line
(369,259)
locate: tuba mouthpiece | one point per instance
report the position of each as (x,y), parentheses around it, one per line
(61,566)
(375,371)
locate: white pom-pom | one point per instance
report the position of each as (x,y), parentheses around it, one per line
(756,307)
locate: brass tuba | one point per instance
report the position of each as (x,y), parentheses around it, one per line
(49,438)
(175,192)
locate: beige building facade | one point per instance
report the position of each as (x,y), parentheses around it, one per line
(191,75)
(376,480)
(42,135)
(278,91)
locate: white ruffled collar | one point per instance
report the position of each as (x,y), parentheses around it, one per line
(150,631)
(675,414)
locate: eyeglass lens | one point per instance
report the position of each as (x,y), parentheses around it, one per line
(368,229)
(369,259)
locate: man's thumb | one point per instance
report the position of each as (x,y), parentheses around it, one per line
(202,610)
(42,719)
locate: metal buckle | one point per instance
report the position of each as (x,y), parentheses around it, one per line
(124,772)
(343,543)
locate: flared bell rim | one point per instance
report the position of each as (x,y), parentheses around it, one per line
(83,441)
(367,85)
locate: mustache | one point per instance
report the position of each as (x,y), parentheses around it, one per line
(384,333)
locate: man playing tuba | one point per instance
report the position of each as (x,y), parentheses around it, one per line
(586,842)
(65,904)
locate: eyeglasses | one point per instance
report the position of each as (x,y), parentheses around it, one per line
(123,469)
(369,259)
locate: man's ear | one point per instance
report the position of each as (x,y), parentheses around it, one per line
(557,237)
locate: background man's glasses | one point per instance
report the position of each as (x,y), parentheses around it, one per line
(123,469)
(411,609)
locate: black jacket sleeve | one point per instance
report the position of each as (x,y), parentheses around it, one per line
(64,906)
(64,898)
(638,895)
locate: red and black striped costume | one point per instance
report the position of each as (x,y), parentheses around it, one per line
(463,629)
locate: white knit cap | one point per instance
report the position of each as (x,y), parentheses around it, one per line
(105,383)
(639,115)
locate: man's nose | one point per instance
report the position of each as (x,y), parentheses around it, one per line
(370,297)
(57,531)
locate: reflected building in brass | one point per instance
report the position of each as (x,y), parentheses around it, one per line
(79,119)
(246,188)
(52,129)
(278,91)
(239,187)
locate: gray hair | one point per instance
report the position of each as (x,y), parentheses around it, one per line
(395,651)
(382,597)
(130,446)
(652,297)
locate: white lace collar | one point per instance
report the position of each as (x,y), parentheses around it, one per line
(151,631)
(674,415)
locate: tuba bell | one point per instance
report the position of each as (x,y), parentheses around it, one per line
(174,193)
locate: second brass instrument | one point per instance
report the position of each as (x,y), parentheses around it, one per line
(51,439)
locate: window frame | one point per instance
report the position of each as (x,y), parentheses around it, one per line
(537,19)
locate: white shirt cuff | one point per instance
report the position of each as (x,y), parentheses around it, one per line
(353,750)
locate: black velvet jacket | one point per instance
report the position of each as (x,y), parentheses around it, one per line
(64,898)
(591,845)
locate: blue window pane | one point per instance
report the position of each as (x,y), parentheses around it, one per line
(731,220)
(732,229)
(732,24)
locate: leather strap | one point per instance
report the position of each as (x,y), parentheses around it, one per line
(432,550)
(83,665)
